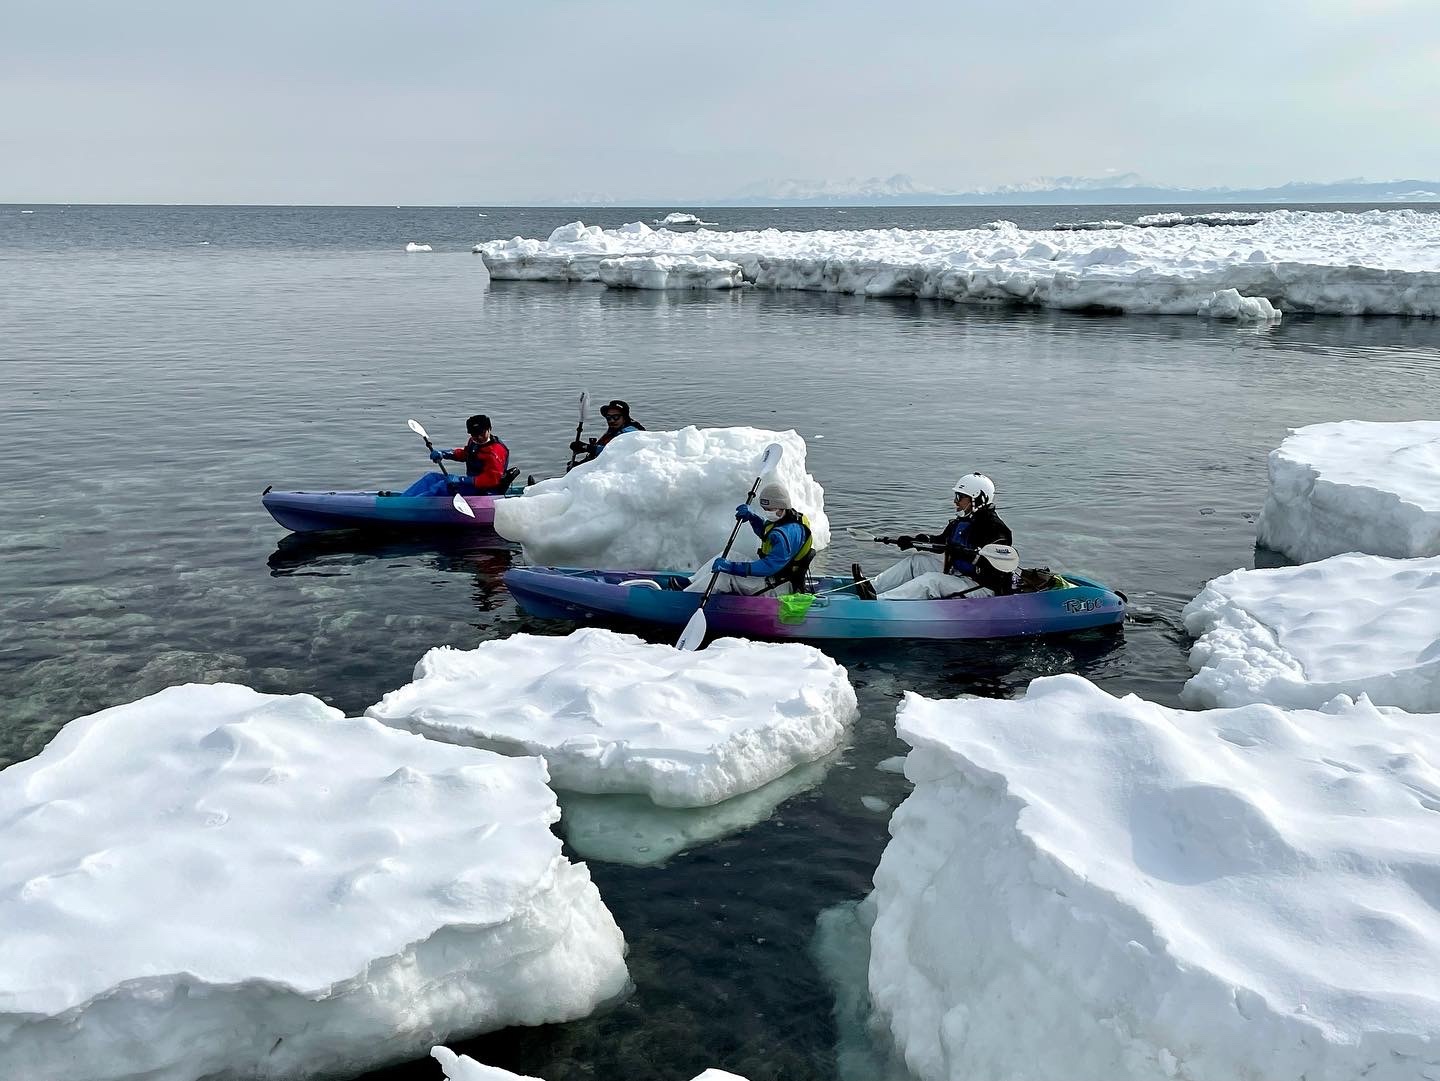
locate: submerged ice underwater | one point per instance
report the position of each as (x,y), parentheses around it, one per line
(1111,871)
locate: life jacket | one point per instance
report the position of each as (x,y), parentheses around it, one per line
(478,457)
(793,571)
(607,435)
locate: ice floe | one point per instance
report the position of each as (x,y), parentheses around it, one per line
(217,882)
(413,247)
(656,501)
(465,1068)
(1089,887)
(612,713)
(670,272)
(1298,636)
(1354,486)
(1229,304)
(1215,217)
(1379,262)
(680,217)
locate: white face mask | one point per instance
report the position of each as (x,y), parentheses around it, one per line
(774,514)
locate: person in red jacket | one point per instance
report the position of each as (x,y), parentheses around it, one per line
(485,457)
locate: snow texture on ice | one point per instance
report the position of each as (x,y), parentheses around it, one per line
(1379,262)
(657,501)
(612,713)
(1354,486)
(1298,636)
(1096,889)
(413,247)
(217,882)
(465,1068)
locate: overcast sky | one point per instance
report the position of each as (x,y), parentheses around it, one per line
(444,101)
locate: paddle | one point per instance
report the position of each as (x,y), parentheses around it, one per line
(584,407)
(693,635)
(419,430)
(1002,557)
(463,507)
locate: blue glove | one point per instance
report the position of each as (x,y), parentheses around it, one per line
(436,455)
(743,513)
(728,566)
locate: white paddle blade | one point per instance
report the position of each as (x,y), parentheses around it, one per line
(1002,557)
(584,405)
(417,428)
(463,507)
(693,636)
(773,453)
(861,534)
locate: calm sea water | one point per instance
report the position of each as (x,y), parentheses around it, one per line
(160,366)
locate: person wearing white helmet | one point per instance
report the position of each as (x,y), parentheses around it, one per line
(786,550)
(948,563)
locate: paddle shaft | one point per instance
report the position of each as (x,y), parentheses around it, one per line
(714,574)
(441,463)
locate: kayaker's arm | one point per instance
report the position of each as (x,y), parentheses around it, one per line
(781,549)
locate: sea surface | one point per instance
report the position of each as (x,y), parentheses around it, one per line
(160,366)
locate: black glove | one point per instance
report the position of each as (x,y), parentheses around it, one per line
(905,543)
(578,447)
(968,554)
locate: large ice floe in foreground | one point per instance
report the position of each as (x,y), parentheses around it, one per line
(657,501)
(465,1068)
(1354,486)
(1298,636)
(1085,888)
(611,713)
(214,882)
(1380,262)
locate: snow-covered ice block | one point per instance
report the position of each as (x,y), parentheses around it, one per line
(412,247)
(670,272)
(1229,304)
(1085,888)
(465,1068)
(680,217)
(1379,262)
(612,713)
(657,501)
(216,882)
(1354,486)
(1298,636)
(634,831)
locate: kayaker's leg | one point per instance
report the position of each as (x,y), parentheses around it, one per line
(933,586)
(730,583)
(912,566)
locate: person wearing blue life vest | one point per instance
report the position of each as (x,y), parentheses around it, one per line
(786,550)
(617,422)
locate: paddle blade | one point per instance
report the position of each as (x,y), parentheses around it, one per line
(1002,557)
(693,636)
(584,405)
(463,507)
(417,428)
(861,534)
(773,453)
(794,606)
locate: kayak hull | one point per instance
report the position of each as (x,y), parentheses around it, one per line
(312,512)
(559,593)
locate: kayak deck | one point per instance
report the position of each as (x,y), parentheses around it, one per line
(657,597)
(309,512)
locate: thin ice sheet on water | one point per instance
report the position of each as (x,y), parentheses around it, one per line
(1298,636)
(1089,887)
(611,713)
(1355,486)
(212,873)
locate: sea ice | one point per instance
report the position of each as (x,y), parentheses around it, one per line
(216,882)
(1379,262)
(1097,889)
(465,1068)
(657,501)
(670,272)
(611,713)
(1229,304)
(680,217)
(1354,486)
(413,247)
(1298,636)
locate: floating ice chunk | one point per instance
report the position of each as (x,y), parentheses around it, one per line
(679,217)
(1089,887)
(1219,217)
(413,247)
(875,803)
(216,882)
(1087,226)
(1229,304)
(612,713)
(632,830)
(465,1068)
(892,765)
(1354,486)
(656,501)
(1380,262)
(670,272)
(1298,636)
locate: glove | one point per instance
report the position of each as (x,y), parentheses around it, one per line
(577,447)
(436,455)
(905,543)
(743,512)
(728,566)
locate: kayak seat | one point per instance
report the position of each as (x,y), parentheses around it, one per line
(643,583)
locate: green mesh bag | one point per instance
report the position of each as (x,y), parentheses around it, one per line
(794,606)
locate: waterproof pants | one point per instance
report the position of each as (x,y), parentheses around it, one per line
(922,577)
(732,583)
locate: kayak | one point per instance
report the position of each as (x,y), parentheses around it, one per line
(309,512)
(1072,604)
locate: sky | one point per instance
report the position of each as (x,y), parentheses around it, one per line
(443,102)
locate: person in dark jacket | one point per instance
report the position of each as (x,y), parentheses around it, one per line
(948,562)
(486,458)
(618,421)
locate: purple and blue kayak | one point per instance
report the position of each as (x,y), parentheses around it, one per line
(310,512)
(656,597)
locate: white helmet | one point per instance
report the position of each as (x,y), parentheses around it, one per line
(774,498)
(980,489)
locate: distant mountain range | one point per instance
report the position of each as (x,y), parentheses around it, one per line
(903,190)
